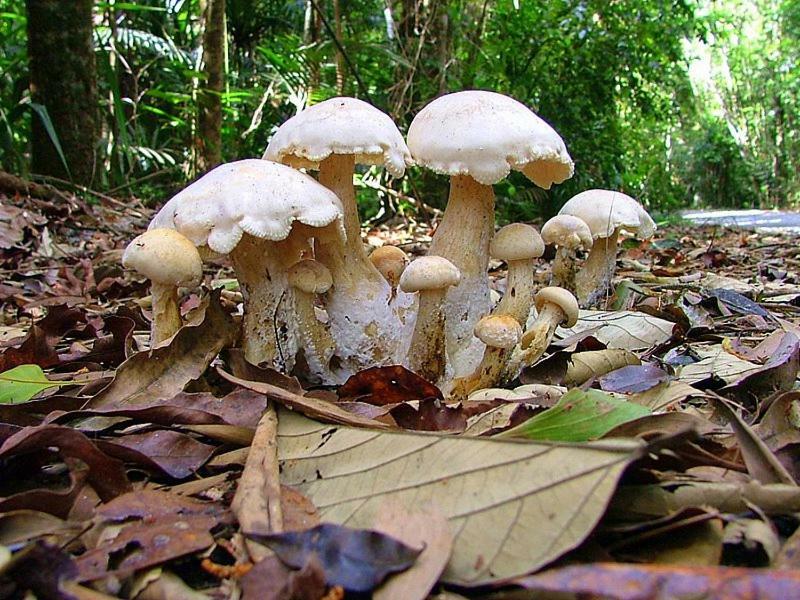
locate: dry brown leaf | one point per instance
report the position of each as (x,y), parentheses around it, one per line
(628,330)
(423,526)
(513,506)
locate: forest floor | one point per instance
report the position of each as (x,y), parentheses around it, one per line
(135,472)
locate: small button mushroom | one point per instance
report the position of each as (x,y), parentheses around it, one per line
(606,213)
(168,260)
(308,278)
(519,245)
(477,138)
(567,233)
(390,261)
(431,276)
(556,306)
(500,334)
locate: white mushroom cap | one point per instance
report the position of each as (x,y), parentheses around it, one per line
(485,135)
(310,276)
(429,273)
(499,331)
(567,231)
(516,241)
(164,256)
(605,211)
(561,298)
(340,126)
(253,196)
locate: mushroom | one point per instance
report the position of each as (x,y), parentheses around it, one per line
(476,138)
(556,306)
(310,278)
(168,260)
(567,233)
(430,276)
(606,213)
(499,333)
(519,245)
(390,261)
(262,214)
(333,136)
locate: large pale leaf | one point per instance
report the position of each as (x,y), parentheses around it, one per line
(628,330)
(715,361)
(513,506)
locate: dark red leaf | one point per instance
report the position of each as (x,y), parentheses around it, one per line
(171,452)
(387,385)
(42,568)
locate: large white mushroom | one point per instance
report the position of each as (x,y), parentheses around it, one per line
(607,213)
(477,138)
(262,214)
(333,136)
(168,260)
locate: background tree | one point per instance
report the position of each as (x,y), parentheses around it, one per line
(209,139)
(63,88)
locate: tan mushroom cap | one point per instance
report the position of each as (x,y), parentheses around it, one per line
(254,196)
(391,261)
(605,211)
(499,331)
(164,256)
(340,126)
(485,135)
(429,273)
(561,298)
(567,231)
(310,276)
(516,241)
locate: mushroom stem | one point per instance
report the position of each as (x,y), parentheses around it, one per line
(564,269)
(260,267)
(518,299)
(538,337)
(594,279)
(166,312)
(488,374)
(427,356)
(318,343)
(336,174)
(463,238)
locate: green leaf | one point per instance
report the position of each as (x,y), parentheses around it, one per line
(578,417)
(41,111)
(22,383)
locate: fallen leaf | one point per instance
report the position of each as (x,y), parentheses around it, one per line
(153,504)
(270,579)
(504,499)
(387,385)
(635,582)
(42,568)
(173,453)
(355,559)
(627,330)
(423,526)
(579,416)
(750,543)
(22,526)
(22,383)
(164,372)
(633,378)
(715,362)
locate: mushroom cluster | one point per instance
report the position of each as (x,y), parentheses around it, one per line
(315,300)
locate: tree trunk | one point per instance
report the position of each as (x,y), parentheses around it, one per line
(63,80)
(209,126)
(337,17)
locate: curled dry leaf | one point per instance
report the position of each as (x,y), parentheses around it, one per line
(355,559)
(504,499)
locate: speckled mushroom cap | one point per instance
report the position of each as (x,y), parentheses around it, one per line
(429,273)
(391,261)
(563,299)
(253,196)
(567,231)
(485,135)
(516,241)
(164,256)
(310,276)
(340,126)
(605,211)
(499,331)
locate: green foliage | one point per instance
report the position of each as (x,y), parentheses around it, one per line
(22,383)
(613,78)
(579,416)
